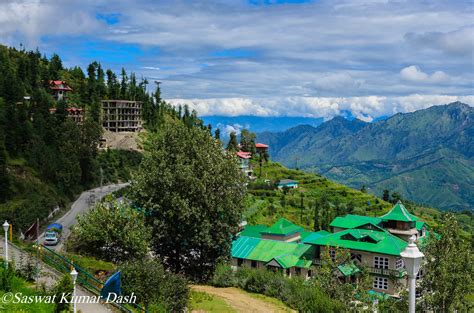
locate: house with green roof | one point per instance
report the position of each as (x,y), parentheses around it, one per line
(283,230)
(374,243)
(290,258)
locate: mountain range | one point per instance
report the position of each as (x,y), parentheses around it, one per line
(259,124)
(427,156)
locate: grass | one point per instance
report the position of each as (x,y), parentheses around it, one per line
(201,301)
(91,264)
(266,204)
(25,289)
(277,303)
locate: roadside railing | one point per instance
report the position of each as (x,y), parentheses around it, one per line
(84,278)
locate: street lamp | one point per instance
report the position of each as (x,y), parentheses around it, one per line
(6,226)
(74,277)
(412,258)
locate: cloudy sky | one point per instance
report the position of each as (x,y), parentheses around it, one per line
(266,58)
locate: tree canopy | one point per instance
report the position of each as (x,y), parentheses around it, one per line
(113,232)
(195,193)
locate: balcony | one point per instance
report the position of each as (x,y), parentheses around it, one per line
(387,272)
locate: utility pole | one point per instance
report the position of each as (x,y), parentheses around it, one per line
(101,178)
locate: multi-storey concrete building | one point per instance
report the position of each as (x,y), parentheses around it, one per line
(122,115)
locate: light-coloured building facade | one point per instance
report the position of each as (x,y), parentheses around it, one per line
(122,115)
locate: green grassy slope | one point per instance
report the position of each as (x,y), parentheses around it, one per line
(266,204)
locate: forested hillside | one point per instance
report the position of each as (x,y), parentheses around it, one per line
(426,156)
(46,158)
(318,200)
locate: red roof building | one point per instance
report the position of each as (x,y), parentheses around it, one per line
(261,147)
(59,89)
(244,155)
(76,114)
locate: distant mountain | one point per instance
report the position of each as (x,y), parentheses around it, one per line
(427,155)
(258,124)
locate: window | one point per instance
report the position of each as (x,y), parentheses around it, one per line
(356,257)
(240,262)
(380,283)
(399,263)
(310,273)
(288,272)
(332,254)
(380,262)
(297,271)
(254,264)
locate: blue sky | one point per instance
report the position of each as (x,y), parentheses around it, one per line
(266,58)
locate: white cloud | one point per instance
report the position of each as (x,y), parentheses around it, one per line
(415,74)
(365,108)
(151,68)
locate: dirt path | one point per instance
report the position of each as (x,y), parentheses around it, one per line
(240,301)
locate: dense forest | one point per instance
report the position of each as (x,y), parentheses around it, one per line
(46,158)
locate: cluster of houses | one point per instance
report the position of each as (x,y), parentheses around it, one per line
(244,159)
(374,243)
(117,115)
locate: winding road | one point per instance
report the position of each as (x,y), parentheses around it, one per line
(85,201)
(49,275)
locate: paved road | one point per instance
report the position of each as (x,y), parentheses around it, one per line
(49,276)
(85,201)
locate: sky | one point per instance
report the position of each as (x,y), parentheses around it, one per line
(266,58)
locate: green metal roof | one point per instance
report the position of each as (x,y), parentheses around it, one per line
(283,227)
(420,224)
(399,213)
(353,221)
(287,254)
(253,230)
(364,240)
(310,235)
(348,269)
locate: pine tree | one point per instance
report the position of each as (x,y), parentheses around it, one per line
(124,85)
(232,146)
(217,134)
(4,178)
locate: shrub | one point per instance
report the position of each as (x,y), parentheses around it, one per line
(6,278)
(223,276)
(295,292)
(174,293)
(65,286)
(156,289)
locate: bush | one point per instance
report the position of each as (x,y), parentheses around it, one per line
(223,276)
(175,293)
(6,278)
(295,292)
(65,286)
(156,289)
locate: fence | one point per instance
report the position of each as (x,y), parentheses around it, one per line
(84,278)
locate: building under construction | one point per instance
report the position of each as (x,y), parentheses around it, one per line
(122,115)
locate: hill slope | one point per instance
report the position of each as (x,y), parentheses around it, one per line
(427,155)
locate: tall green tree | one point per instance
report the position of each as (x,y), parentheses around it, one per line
(4,178)
(247,141)
(448,269)
(233,146)
(195,194)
